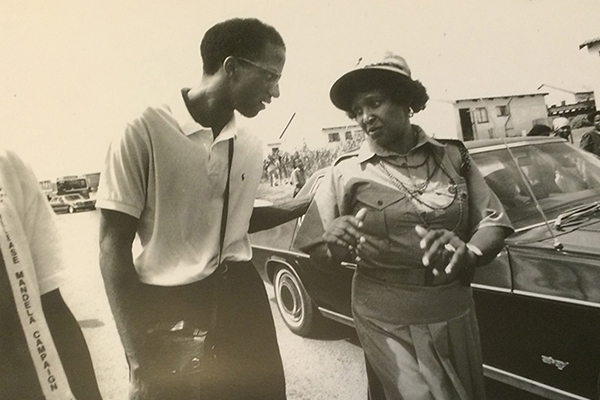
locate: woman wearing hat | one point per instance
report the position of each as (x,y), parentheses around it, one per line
(416,217)
(562,128)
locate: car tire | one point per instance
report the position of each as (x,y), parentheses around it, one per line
(295,306)
(71,210)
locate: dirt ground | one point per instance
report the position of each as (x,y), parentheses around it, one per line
(274,193)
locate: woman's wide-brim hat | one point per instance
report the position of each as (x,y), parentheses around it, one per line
(390,69)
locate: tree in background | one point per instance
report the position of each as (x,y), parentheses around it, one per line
(580,121)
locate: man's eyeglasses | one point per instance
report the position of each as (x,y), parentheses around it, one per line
(271,76)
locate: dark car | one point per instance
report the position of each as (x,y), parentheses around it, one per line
(538,302)
(71,203)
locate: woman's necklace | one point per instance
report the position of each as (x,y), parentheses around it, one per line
(415,191)
(422,186)
(415,194)
(414,187)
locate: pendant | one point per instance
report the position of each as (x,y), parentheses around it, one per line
(452,189)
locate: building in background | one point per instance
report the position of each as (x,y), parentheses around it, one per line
(479,118)
(568,103)
(583,105)
(593,47)
(465,119)
(500,116)
(340,135)
(48,187)
(564,95)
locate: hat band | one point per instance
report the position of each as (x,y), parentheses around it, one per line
(388,64)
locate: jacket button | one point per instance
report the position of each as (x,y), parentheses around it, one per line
(379,202)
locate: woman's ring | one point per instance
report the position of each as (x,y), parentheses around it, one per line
(450,248)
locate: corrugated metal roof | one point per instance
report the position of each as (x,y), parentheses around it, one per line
(589,42)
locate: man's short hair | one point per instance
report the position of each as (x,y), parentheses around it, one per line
(591,116)
(242,37)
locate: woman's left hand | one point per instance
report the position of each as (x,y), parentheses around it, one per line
(445,250)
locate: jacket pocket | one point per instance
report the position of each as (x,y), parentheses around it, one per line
(375,227)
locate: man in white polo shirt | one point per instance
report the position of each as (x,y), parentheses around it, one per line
(191,309)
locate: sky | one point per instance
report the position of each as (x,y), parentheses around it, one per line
(73,72)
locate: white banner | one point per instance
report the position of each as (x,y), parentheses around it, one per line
(23,282)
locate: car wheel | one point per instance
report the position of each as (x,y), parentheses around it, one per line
(295,306)
(71,210)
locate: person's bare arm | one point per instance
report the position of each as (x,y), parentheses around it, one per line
(267,217)
(123,288)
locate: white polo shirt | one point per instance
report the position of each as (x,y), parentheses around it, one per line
(169,172)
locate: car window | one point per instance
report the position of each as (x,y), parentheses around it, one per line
(73,197)
(559,175)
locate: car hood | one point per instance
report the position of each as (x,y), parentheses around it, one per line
(583,237)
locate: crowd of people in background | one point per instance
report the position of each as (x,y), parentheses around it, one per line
(279,165)
(562,127)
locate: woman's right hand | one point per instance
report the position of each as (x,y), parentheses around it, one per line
(343,236)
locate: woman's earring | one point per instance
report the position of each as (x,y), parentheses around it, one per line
(410,112)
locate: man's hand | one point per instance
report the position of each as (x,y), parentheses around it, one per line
(343,237)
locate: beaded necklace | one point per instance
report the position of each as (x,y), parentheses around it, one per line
(415,193)
(419,188)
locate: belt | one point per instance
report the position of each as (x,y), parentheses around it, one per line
(402,304)
(412,277)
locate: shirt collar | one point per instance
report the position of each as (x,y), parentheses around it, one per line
(189,126)
(370,149)
(230,130)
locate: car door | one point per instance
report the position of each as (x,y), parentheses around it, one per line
(328,286)
(58,204)
(539,310)
(492,291)
(555,314)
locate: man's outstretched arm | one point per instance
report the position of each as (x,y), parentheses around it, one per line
(267,217)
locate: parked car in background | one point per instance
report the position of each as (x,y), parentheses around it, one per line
(538,302)
(71,203)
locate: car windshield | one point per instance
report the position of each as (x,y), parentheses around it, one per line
(561,176)
(73,197)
